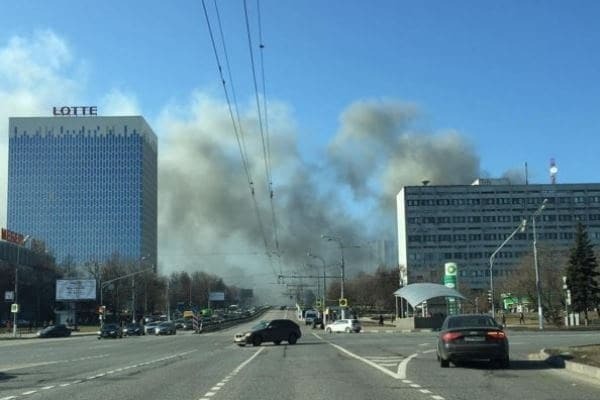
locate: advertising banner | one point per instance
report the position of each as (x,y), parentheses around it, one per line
(75,289)
(216,296)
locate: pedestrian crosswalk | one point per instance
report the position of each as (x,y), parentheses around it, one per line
(390,362)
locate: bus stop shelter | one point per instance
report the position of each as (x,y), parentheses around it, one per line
(418,293)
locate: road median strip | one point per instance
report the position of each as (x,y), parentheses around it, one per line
(557,361)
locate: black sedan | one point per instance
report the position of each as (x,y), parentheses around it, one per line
(54,331)
(133,329)
(274,331)
(472,337)
(110,331)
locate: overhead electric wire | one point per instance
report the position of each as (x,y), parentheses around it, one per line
(243,154)
(263,120)
(228,66)
(256,96)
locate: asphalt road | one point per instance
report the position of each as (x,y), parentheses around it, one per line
(321,366)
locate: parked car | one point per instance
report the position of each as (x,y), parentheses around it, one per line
(179,323)
(344,325)
(275,331)
(165,328)
(133,329)
(110,331)
(54,331)
(472,337)
(149,327)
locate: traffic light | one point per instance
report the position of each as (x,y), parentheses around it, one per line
(489,296)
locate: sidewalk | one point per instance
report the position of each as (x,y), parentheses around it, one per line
(560,361)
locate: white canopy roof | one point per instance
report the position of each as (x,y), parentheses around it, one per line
(417,293)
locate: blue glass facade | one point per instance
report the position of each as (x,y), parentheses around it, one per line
(87,186)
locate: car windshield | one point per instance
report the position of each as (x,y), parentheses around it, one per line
(378,165)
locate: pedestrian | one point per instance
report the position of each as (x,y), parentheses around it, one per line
(380,320)
(521,318)
(504,320)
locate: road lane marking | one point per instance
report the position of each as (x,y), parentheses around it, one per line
(366,361)
(414,385)
(436,397)
(428,351)
(404,364)
(100,375)
(233,373)
(425,391)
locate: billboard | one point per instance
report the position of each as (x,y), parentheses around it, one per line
(216,296)
(75,289)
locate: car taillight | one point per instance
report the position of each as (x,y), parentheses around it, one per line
(450,336)
(496,335)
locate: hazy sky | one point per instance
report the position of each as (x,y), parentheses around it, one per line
(364,98)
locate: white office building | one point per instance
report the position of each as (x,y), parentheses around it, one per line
(467,223)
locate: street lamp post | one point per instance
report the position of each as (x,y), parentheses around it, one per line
(106,283)
(17,283)
(535,264)
(521,228)
(324,280)
(342,266)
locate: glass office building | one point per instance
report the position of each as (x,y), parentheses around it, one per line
(87,186)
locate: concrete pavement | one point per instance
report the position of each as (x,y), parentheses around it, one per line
(320,366)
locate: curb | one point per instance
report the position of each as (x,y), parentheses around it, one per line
(572,366)
(33,336)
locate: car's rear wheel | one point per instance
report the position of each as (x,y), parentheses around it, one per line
(348,330)
(241,344)
(504,362)
(444,363)
(256,341)
(277,342)
(293,338)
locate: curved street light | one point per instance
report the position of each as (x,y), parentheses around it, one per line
(521,228)
(17,282)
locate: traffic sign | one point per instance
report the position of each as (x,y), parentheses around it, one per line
(343,302)
(9,296)
(14,308)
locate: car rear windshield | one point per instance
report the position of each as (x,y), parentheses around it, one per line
(474,321)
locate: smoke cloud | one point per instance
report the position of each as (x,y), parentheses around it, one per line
(376,152)
(207,215)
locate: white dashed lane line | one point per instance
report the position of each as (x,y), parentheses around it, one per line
(100,375)
(214,390)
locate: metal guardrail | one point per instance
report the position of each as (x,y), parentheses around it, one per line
(215,326)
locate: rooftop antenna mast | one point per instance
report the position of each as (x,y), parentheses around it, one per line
(553,171)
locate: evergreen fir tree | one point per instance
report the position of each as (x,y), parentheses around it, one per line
(582,273)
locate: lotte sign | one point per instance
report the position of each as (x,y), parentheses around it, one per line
(74,111)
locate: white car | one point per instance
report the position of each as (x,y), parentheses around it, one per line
(344,325)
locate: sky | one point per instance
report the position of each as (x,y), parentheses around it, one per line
(363,97)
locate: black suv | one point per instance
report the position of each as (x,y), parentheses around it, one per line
(275,331)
